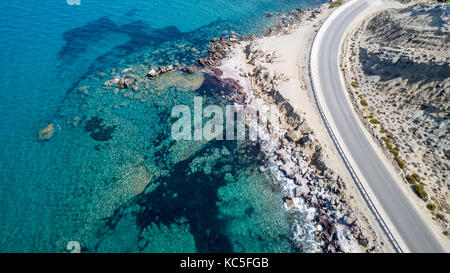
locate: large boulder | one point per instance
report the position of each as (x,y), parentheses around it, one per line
(152,73)
(47,133)
(294,135)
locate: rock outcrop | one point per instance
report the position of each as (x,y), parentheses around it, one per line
(47,133)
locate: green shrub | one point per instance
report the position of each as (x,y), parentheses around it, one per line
(382,130)
(385,139)
(364,103)
(394,152)
(374,121)
(335,4)
(440,216)
(354,84)
(421,191)
(409,178)
(431,206)
(400,162)
(445,232)
(389,146)
(413,178)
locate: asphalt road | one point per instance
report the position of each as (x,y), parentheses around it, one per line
(403,215)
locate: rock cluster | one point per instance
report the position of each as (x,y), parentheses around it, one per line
(154,72)
(219,48)
(127,81)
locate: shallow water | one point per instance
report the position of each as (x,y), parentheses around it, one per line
(111,177)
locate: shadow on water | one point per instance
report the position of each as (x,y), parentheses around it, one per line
(192,195)
(98,131)
(77,40)
(141,36)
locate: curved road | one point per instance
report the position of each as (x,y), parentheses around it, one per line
(402,214)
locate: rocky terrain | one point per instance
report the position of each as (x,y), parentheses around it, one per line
(260,76)
(396,66)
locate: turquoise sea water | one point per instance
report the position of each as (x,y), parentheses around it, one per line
(111,177)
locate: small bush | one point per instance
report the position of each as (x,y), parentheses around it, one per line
(440,216)
(382,130)
(364,103)
(389,146)
(394,152)
(354,84)
(413,178)
(385,139)
(445,232)
(409,178)
(431,206)
(421,191)
(374,121)
(335,4)
(400,162)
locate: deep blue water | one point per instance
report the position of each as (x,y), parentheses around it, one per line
(116,181)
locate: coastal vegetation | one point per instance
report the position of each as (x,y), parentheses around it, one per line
(354,84)
(364,102)
(418,188)
(400,162)
(413,178)
(335,4)
(394,151)
(374,121)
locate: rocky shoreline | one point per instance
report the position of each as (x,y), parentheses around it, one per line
(293,147)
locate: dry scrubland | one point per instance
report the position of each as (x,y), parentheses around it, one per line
(396,66)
